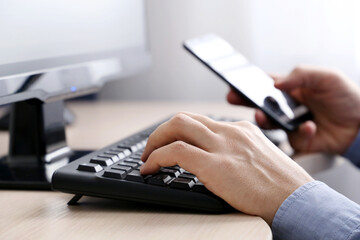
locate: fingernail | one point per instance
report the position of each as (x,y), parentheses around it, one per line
(142,157)
(279,81)
(142,168)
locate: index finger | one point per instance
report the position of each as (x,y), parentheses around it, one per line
(187,156)
(181,127)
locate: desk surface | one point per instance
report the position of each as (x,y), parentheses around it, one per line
(45,215)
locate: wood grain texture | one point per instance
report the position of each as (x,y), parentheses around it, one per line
(45,215)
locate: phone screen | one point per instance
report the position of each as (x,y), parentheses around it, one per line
(247,79)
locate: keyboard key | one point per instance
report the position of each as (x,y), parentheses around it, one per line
(111,152)
(159,179)
(127,164)
(125,151)
(120,174)
(199,187)
(186,172)
(182,183)
(89,167)
(139,145)
(102,161)
(132,148)
(120,155)
(135,176)
(135,157)
(171,172)
(189,176)
(138,162)
(124,168)
(113,157)
(178,168)
(175,167)
(131,160)
(117,150)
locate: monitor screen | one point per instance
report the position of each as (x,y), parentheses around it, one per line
(38,35)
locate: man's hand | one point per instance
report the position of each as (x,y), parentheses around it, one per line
(333,100)
(235,161)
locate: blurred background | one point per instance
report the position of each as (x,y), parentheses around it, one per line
(274,34)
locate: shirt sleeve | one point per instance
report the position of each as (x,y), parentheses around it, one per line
(353,152)
(315,211)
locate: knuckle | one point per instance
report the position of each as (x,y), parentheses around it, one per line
(247,129)
(299,69)
(227,164)
(179,119)
(246,124)
(179,146)
(336,74)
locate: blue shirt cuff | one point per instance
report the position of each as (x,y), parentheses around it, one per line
(353,152)
(315,211)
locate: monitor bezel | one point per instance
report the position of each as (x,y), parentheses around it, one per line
(131,60)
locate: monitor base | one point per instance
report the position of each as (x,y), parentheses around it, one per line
(69,119)
(36,177)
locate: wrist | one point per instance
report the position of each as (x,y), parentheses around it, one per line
(284,193)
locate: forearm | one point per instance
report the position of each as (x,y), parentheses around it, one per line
(315,211)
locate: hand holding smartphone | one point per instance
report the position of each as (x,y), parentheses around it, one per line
(248,80)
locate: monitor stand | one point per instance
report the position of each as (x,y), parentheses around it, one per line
(37,145)
(69,118)
(26,85)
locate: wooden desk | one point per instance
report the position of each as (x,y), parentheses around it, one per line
(45,215)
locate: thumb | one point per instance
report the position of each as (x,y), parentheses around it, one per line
(300,77)
(302,138)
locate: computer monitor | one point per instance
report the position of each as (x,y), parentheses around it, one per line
(51,51)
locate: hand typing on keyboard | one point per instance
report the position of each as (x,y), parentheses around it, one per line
(235,161)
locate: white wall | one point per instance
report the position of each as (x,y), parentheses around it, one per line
(321,32)
(275,34)
(175,74)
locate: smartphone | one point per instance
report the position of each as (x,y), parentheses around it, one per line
(247,80)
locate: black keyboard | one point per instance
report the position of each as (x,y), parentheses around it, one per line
(113,172)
